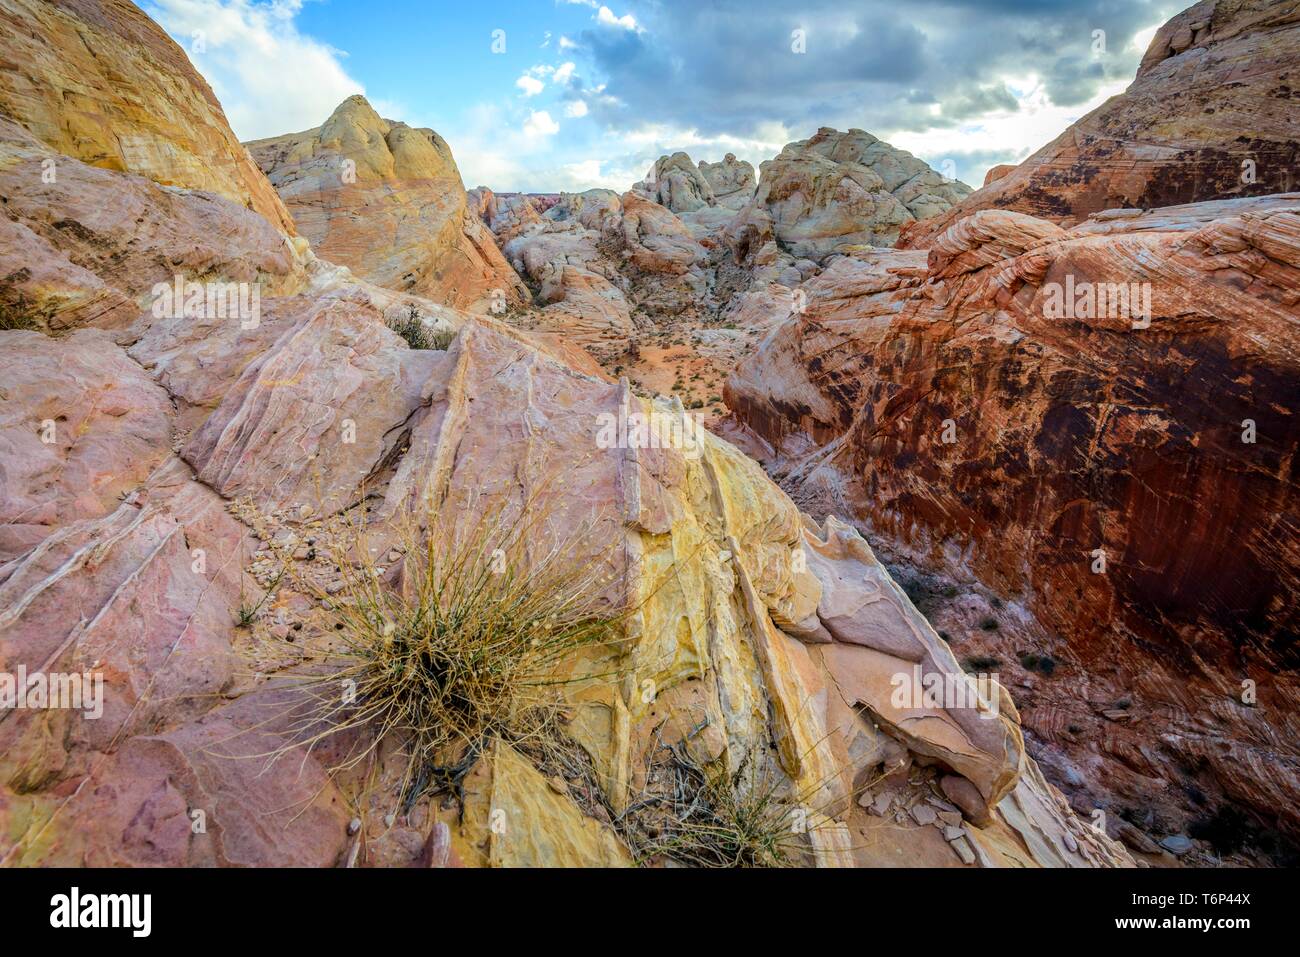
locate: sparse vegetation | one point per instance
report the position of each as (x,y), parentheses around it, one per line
(980,663)
(418,334)
(470,649)
(748,819)
(17,313)
(247,612)
(1032,661)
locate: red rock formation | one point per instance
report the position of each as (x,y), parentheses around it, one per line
(977,429)
(1211,114)
(995,173)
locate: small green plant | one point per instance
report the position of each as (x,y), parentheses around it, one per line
(247,612)
(418,334)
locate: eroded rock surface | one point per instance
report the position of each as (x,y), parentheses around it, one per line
(386,200)
(732,180)
(1096,468)
(835,191)
(195,454)
(99,81)
(1210,115)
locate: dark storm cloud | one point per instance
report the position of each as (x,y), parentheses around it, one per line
(727,66)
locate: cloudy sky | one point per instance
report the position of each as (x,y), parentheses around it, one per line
(544,95)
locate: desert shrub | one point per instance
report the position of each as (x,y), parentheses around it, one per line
(418,334)
(469,649)
(752,818)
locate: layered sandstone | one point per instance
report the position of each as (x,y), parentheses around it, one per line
(99,81)
(836,191)
(1085,432)
(118,236)
(1210,115)
(386,200)
(191,456)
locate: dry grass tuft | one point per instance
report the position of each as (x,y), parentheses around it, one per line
(17,313)
(471,642)
(752,818)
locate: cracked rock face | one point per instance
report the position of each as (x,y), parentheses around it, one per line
(1211,115)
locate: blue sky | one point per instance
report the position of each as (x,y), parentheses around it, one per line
(572,94)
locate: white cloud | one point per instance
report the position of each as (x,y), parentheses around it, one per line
(245,48)
(564,73)
(576,109)
(530,85)
(567,44)
(1142,39)
(1037,122)
(540,125)
(626,22)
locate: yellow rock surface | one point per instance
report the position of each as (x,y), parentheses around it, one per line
(513,817)
(386,200)
(99,81)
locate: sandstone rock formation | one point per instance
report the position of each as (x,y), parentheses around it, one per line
(732,181)
(677,184)
(97,80)
(1087,432)
(508,213)
(387,201)
(118,235)
(681,187)
(995,173)
(1210,115)
(596,257)
(184,454)
(835,191)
